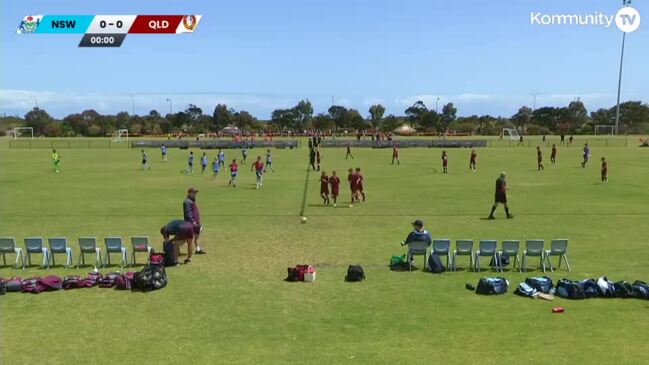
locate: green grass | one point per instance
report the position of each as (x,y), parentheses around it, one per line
(232,306)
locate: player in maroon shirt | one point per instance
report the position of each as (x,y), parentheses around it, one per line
(335,186)
(445,162)
(553,156)
(539,159)
(351,177)
(324,188)
(359,184)
(349,152)
(604,170)
(395,155)
(317,158)
(472,160)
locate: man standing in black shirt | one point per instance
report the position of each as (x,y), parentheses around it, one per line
(501,196)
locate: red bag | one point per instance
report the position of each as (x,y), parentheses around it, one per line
(300,270)
(557,310)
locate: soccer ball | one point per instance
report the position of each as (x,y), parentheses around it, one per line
(303,219)
(351,205)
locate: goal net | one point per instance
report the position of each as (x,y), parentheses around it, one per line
(120,135)
(23,132)
(511,132)
(604,129)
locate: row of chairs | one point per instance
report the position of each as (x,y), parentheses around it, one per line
(59,245)
(489,248)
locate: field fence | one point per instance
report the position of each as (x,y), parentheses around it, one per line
(67,144)
(577,142)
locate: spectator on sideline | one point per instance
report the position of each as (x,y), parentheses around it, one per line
(183,232)
(191,214)
(417,235)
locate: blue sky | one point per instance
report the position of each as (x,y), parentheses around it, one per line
(484,56)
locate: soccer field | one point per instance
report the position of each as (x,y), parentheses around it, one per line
(232,305)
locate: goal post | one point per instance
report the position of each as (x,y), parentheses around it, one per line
(604,129)
(120,135)
(19,130)
(513,133)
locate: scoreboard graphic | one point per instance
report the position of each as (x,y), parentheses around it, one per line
(107,30)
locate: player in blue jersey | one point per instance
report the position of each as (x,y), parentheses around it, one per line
(190,163)
(216,166)
(203,163)
(269,161)
(163,150)
(221,158)
(586,154)
(145,161)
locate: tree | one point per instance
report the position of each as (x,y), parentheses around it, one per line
(548,117)
(355,120)
(322,122)
(391,123)
(38,119)
(449,113)
(303,113)
(577,115)
(634,116)
(284,118)
(244,120)
(338,114)
(429,120)
(416,112)
(522,118)
(222,116)
(376,114)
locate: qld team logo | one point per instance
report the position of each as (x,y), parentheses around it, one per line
(190,22)
(29,24)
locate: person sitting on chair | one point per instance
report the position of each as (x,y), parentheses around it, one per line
(419,234)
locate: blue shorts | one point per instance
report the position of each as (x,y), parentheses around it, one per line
(233,174)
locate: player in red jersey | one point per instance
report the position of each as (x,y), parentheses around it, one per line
(359,184)
(324,188)
(351,177)
(553,155)
(335,186)
(604,170)
(472,160)
(259,171)
(445,162)
(349,152)
(395,155)
(539,159)
(234,169)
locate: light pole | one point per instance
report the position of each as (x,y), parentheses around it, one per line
(133,105)
(619,80)
(171,108)
(534,95)
(436,104)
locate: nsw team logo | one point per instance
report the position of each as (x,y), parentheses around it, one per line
(29,24)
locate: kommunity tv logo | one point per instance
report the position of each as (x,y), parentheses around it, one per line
(627,19)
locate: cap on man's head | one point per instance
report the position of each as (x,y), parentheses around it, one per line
(418,223)
(192,190)
(503,174)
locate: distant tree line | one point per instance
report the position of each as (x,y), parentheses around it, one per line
(571,119)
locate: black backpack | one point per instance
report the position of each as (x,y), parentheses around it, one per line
(640,289)
(591,289)
(355,273)
(502,258)
(542,284)
(152,277)
(570,289)
(623,289)
(435,264)
(170,259)
(291,275)
(492,286)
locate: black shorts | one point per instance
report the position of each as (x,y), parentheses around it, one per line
(501,198)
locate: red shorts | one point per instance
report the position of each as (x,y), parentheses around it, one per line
(334,192)
(359,187)
(324,191)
